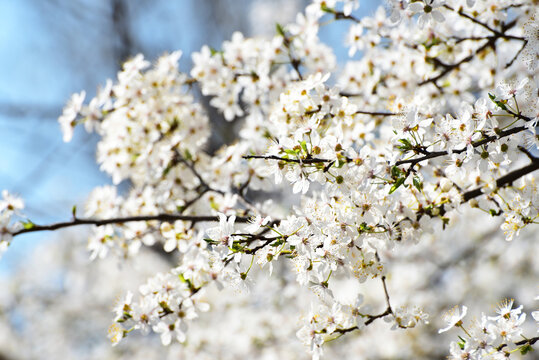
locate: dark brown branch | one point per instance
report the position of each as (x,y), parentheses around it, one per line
(178,158)
(370,320)
(121,220)
(504,180)
(484,141)
(474,20)
(528,341)
(375,113)
(518,115)
(491,42)
(274,157)
(339,15)
(293,61)
(386,293)
(520,343)
(194,200)
(450,67)
(499,34)
(517,54)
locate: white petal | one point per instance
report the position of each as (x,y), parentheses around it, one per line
(438,16)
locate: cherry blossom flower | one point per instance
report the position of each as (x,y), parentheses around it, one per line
(453,318)
(69,115)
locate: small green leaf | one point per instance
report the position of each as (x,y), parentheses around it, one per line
(74,210)
(406,145)
(290,152)
(364,227)
(279,29)
(417,183)
(277,243)
(501,105)
(526,349)
(165,307)
(210,241)
(28,225)
(327,9)
(214,205)
(491,96)
(395,172)
(462,342)
(398,183)
(303,145)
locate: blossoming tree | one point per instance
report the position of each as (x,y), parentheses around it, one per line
(351,196)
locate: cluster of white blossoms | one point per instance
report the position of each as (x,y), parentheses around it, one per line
(491,337)
(436,119)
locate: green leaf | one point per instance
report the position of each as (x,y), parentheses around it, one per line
(74,210)
(501,105)
(28,225)
(526,349)
(406,145)
(433,42)
(462,342)
(417,183)
(280,30)
(395,172)
(277,243)
(290,152)
(214,205)
(303,145)
(398,183)
(364,227)
(327,9)
(165,307)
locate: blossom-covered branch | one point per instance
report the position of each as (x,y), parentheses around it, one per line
(318,192)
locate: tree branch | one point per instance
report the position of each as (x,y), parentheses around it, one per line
(491,42)
(275,157)
(121,220)
(484,141)
(504,180)
(450,67)
(520,343)
(375,113)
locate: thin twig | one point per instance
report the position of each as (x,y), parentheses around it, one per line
(121,220)
(275,157)
(484,141)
